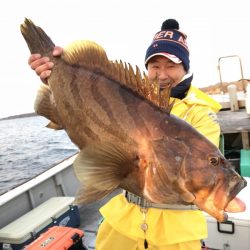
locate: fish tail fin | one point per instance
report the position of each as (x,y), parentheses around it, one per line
(37,40)
(100,169)
(44,106)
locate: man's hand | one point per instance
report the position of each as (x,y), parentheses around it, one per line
(42,65)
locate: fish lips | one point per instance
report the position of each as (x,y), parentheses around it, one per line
(234,204)
(223,199)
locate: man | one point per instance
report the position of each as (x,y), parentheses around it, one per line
(127,224)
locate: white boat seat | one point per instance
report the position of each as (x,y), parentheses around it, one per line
(35,220)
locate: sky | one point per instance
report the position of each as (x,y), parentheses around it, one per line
(124,29)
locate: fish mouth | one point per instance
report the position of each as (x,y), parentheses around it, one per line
(217,206)
(235,204)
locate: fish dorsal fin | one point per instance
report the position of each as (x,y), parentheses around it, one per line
(87,54)
(92,56)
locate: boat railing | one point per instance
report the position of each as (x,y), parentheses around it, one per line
(223,58)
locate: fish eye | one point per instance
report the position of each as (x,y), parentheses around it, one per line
(214,160)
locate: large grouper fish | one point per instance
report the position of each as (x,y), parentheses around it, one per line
(126,135)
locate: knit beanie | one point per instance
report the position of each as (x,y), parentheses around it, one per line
(171,43)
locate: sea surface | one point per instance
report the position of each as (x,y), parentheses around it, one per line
(28,148)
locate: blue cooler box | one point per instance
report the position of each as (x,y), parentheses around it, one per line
(57,211)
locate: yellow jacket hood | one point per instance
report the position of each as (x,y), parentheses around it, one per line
(196,96)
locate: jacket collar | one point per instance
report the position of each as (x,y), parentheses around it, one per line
(180,91)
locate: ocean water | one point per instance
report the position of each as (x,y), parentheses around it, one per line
(28,148)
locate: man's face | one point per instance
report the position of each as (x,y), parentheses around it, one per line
(165,70)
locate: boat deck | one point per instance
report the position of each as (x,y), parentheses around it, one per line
(234,121)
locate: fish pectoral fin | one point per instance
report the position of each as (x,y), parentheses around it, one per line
(102,166)
(44,106)
(88,195)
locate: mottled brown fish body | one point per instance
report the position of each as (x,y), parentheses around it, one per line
(128,139)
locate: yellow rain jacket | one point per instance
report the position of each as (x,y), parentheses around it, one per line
(167,229)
